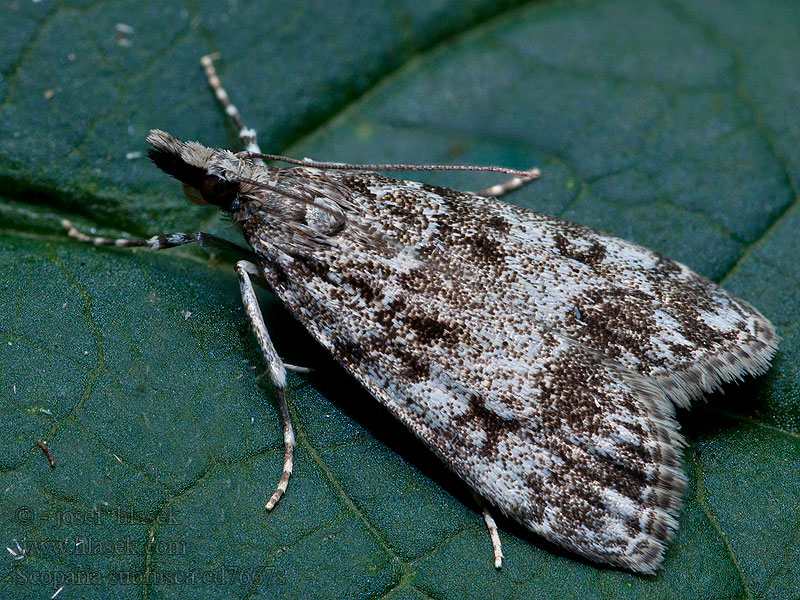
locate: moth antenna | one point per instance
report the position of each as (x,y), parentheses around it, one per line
(527,175)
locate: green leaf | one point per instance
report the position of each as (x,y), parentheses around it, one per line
(672,124)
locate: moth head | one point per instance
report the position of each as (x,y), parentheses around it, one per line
(191,164)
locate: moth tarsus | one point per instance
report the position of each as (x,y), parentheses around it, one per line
(494,533)
(539,359)
(47,452)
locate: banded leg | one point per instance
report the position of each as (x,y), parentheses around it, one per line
(244,268)
(171,240)
(247,135)
(509,186)
(494,534)
(277,370)
(158,242)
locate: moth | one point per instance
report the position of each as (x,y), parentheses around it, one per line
(539,359)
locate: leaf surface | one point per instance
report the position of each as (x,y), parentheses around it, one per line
(671,124)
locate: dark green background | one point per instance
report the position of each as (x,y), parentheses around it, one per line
(674,124)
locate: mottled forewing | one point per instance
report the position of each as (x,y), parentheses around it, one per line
(534,356)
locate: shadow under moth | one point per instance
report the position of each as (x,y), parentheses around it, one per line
(539,359)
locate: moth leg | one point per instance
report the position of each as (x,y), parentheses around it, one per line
(494,533)
(247,135)
(509,186)
(159,242)
(277,370)
(244,268)
(170,240)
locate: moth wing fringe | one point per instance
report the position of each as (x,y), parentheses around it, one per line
(669,486)
(684,386)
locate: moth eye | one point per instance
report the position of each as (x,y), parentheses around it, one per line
(220,192)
